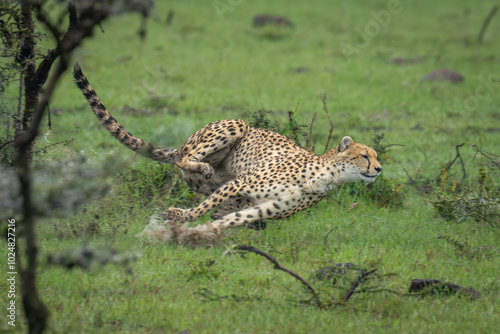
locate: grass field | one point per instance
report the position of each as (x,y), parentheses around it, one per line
(210,64)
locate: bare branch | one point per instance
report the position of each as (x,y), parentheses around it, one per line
(488,155)
(309,144)
(68,43)
(279,267)
(54,144)
(459,157)
(27,137)
(323,99)
(486,23)
(356,283)
(42,17)
(7,143)
(325,242)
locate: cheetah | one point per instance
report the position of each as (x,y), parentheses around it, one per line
(248,174)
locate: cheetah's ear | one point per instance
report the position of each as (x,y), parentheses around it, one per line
(346,142)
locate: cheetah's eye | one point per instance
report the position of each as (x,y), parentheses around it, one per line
(365,157)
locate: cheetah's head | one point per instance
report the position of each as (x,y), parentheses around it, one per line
(358,161)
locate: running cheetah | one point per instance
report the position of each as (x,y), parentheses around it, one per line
(249,174)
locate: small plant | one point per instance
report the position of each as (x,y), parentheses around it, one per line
(260,119)
(150,181)
(380,147)
(291,128)
(294,130)
(478,201)
(384,192)
(204,268)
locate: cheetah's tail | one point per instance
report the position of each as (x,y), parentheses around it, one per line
(167,155)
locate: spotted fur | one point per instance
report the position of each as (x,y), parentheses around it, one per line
(249,174)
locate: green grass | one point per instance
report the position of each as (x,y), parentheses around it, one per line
(201,69)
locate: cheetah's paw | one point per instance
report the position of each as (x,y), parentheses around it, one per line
(174,214)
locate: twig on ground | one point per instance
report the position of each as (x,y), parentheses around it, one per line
(412,181)
(458,156)
(356,283)
(280,267)
(325,242)
(486,23)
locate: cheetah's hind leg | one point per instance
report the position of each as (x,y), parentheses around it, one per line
(168,231)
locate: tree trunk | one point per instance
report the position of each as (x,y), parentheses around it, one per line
(34,309)
(26,59)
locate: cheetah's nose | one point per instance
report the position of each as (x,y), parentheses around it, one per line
(378,169)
